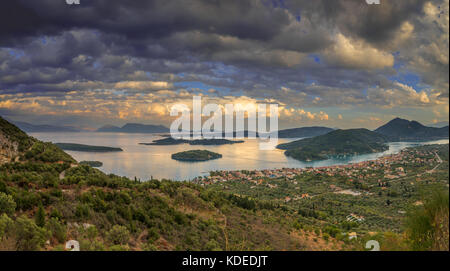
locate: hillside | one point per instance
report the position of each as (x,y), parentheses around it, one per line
(134,128)
(18,146)
(46,198)
(401,129)
(339,142)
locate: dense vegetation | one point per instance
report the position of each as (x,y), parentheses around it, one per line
(339,142)
(92,163)
(14,134)
(86,148)
(38,210)
(196,156)
(46,152)
(46,198)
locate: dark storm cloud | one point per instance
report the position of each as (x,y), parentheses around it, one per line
(320,53)
(259,20)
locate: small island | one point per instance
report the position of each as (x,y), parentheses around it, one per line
(92,163)
(196,156)
(86,148)
(172,141)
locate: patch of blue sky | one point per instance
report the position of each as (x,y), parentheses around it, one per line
(406,77)
(409,78)
(315,57)
(16,53)
(275,3)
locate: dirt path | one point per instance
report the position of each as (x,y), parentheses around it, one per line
(440,162)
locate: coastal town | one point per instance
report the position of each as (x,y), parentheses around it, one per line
(390,165)
(371,195)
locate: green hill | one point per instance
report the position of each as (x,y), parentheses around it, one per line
(339,142)
(401,130)
(44,203)
(11,133)
(18,146)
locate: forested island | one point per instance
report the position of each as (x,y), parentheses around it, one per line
(196,156)
(86,148)
(172,141)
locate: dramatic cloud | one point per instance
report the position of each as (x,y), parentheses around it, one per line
(322,61)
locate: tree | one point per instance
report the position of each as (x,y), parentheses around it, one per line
(57,229)
(118,235)
(7,204)
(5,225)
(28,235)
(40,216)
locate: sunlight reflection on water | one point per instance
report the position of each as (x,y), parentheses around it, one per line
(146,161)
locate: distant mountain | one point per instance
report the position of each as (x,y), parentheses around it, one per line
(36,128)
(439,124)
(400,129)
(304,132)
(109,129)
(338,142)
(286,133)
(134,128)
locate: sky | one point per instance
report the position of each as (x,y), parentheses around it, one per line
(331,63)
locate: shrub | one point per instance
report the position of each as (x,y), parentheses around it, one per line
(82,211)
(57,229)
(28,235)
(7,204)
(118,235)
(118,248)
(152,235)
(5,225)
(91,232)
(40,216)
(427,226)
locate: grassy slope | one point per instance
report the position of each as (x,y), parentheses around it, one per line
(82,203)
